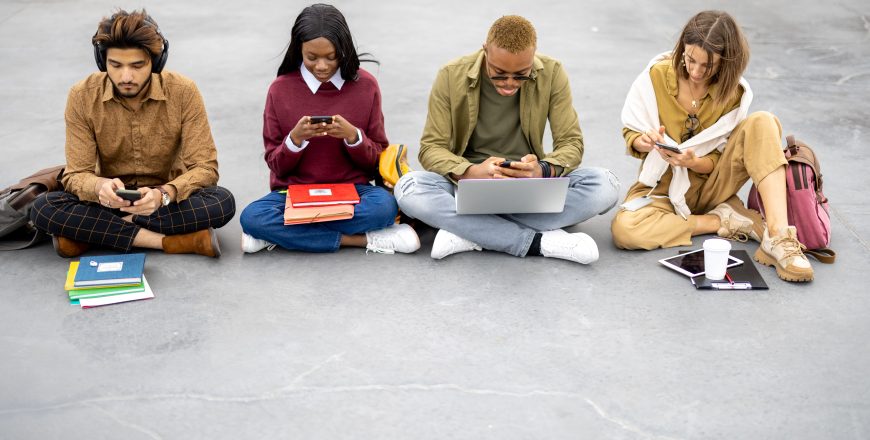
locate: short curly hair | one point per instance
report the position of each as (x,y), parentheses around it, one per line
(512,33)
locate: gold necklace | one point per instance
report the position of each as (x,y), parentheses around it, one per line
(694,100)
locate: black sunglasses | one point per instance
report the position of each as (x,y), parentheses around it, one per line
(692,124)
(517,78)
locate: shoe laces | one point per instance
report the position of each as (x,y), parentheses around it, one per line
(735,234)
(381,244)
(378,250)
(791,246)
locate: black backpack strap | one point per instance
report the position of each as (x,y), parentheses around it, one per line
(28,239)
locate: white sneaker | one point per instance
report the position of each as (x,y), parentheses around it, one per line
(251,244)
(447,243)
(395,238)
(577,246)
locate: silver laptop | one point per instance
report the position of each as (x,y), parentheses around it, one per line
(511,196)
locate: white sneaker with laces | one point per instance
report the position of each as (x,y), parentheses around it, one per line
(446,243)
(395,238)
(577,246)
(251,244)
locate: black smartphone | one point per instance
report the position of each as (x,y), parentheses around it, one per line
(670,148)
(506,164)
(128,194)
(320,119)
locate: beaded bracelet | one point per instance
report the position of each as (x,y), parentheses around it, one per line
(545,169)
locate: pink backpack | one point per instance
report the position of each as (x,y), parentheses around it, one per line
(807,204)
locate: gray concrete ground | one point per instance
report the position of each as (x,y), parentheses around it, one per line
(483,345)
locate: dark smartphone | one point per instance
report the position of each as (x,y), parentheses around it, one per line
(128,194)
(320,119)
(670,148)
(506,164)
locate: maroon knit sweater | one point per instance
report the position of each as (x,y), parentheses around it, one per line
(325,159)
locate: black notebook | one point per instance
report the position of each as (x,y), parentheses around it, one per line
(743,277)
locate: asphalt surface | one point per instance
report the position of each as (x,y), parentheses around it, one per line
(478,345)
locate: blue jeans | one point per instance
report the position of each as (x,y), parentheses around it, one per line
(264,219)
(429,197)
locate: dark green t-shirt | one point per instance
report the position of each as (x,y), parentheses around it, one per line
(498,131)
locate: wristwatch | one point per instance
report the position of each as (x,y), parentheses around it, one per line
(165,200)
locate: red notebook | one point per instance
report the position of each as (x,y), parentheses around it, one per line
(323,194)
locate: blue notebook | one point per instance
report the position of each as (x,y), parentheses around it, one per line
(107,270)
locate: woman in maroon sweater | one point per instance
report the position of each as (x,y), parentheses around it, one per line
(320,75)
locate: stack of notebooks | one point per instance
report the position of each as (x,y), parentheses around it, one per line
(107,279)
(319,203)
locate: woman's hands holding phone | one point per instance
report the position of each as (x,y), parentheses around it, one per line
(314,126)
(646,141)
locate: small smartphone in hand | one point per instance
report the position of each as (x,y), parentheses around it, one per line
(320,119)
(670,148)
(128,194)
(505,164)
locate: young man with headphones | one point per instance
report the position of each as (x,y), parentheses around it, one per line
(141,165)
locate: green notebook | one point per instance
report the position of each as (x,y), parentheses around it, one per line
(105,291)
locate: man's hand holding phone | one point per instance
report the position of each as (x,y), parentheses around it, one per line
(149,201)
(522,169)
(106,193)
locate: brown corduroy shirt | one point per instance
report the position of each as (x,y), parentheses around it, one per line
(166,141)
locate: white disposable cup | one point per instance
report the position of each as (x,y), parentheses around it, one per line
(716,258)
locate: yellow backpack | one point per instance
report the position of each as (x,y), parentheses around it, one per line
(393,164)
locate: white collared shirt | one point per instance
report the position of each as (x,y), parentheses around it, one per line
(314,85)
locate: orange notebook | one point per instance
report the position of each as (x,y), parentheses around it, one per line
(314,214)
(322,194)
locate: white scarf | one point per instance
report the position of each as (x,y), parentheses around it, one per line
(641,114)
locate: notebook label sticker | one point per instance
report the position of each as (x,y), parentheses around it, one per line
(113,266)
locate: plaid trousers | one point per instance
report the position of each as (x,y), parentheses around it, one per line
(62,214)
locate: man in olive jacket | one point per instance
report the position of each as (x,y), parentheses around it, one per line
(489,107)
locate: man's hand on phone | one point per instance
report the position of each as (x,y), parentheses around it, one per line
(151,199)
(106,193)
(524,168)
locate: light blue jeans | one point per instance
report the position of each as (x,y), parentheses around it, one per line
(429,197)
(264,219)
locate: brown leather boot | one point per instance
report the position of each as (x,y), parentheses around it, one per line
(204,242)
(69,248)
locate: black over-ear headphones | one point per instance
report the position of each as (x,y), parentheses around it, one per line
(157,61)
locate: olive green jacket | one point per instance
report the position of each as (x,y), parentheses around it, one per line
(455,101)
